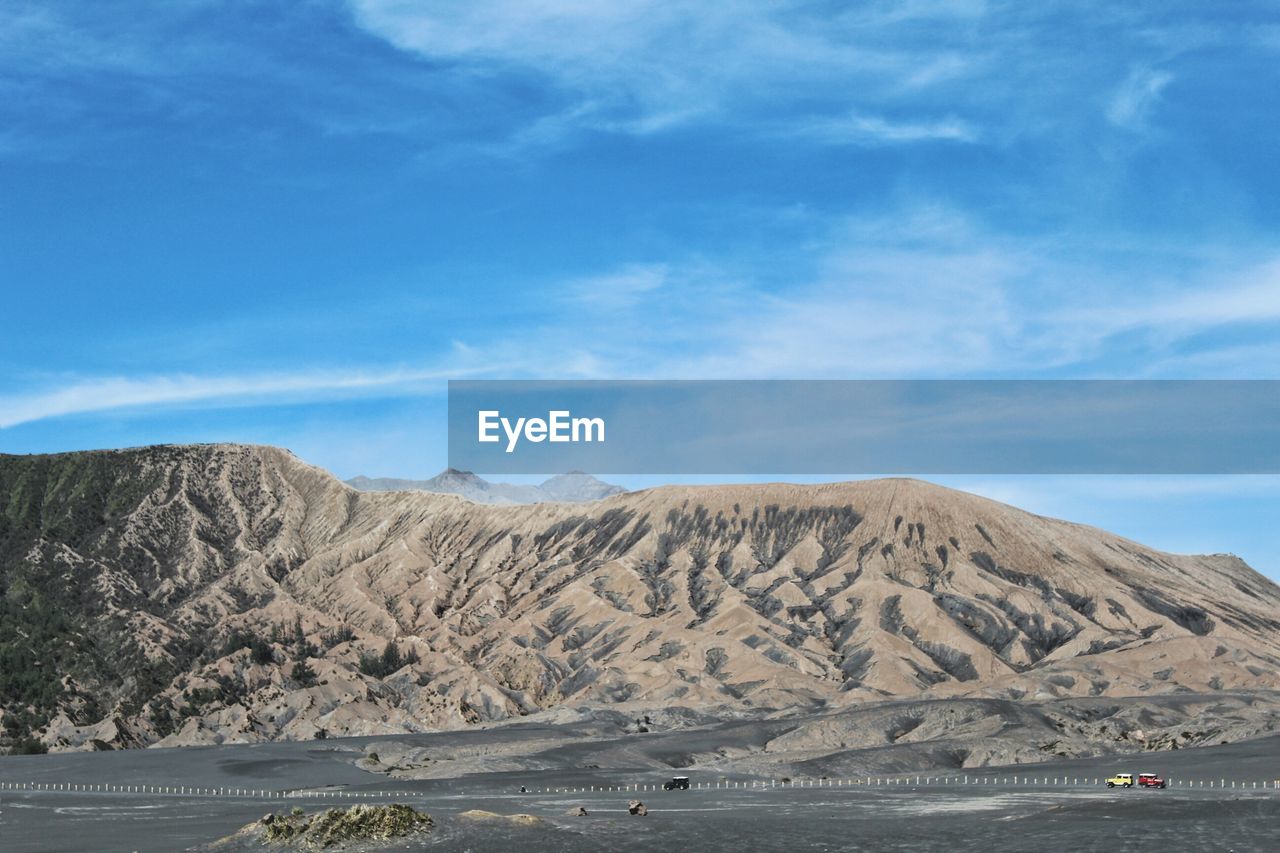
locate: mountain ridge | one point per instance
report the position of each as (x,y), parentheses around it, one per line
(214,593)
(572,487)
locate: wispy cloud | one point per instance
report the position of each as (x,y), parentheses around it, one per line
(1132,103)
(507,76)
(923,292)
(1165,312)
(643,66)
(876,130)
(1253,298)
(622,288)
(870,74)
(931,292)
(110,393)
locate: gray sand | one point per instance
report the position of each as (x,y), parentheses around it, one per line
(988,817)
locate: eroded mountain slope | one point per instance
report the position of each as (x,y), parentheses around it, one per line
(200,594)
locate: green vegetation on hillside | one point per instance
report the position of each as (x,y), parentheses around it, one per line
(390,661)
(61,646)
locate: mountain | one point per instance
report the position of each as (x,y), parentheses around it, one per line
(213,593)
(578,487)
(574,487)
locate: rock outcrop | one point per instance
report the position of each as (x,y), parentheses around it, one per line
(356,828)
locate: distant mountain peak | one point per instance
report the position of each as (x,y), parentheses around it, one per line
(454,475)
(578,486)
(572,487)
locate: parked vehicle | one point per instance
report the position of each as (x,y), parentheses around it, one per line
(1122,780)
(1151,780)
(677,783)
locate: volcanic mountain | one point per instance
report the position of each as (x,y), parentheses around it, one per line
(574,487)
(189,594)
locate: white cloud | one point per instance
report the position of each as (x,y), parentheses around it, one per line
(869,73)
(916,294)
(923,292)
(1255,298)
(928,292)
(1162,313)
(639,66)
(859,129)
(1133,102)
(517,74)
(108,393)
(622,288)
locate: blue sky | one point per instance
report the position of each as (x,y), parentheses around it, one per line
(291,223)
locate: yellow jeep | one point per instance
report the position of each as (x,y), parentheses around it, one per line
(1124,780)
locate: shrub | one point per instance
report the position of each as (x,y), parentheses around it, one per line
(28,746)
(259,649)
(303,674)
(390,661)
(337,637)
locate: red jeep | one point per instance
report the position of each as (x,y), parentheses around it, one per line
(1151,780)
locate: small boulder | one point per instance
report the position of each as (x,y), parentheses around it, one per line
(578,812)
(525,819)
(637,808)
(519,819)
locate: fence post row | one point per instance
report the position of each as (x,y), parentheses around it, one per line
(755,784)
